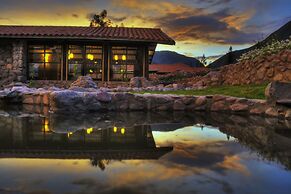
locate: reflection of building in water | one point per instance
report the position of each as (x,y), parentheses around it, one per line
(33,138)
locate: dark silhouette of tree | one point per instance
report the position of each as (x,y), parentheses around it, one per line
(100,20)
(203,60)
(230,49)
(230,61)
(99,163)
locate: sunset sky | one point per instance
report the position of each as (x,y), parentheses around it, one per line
(198,26)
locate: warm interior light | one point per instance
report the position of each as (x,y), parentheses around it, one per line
(122,71)
(122,131)
(100,70)
(89,130)
(46,125)
(114,129)
(69,134)
(46,121)
(116,57)
(91,71)
(46,128)
(123,57)
(90,57)
(47,57)
(70,55)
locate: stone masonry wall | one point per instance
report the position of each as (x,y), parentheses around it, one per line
(12,62)
(95,100)
(265,69)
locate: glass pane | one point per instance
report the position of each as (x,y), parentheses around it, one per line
(94,62)
(36,57)
(74,71)
(36,70)
(75,61)
(52,71)
(45,62)
(36,48)
(123,61)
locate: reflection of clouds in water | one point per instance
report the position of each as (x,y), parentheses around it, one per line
(234,163)
(210,164)
(191,134)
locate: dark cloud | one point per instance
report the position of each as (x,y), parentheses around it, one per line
(214,2)
(209,28)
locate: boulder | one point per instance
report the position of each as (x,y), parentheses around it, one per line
(278,92)
(219,106)
(84,82)
(139,82)
(179,105)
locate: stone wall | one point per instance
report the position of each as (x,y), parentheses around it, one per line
(261,70)
(94,100)
(67,84)
(12,62)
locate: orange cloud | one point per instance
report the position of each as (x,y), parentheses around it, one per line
(234,163)
(237,21)
(161,7)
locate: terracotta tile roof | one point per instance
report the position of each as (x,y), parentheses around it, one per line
(170,68)
(95,33)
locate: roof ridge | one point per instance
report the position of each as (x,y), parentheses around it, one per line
(5,25)
(155,35)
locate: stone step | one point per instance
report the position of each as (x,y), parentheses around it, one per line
(285,102)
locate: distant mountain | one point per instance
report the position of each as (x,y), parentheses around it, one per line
(170,57)
(281,34)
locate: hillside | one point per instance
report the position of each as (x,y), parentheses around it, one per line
(281,34)
(170,57)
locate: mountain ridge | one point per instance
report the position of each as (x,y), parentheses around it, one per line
(171,57)
(283,33)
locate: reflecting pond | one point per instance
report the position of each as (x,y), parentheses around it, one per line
(138,152)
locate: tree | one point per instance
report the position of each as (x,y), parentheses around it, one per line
(100,20)
(203,60)
(230,49)
(230,55)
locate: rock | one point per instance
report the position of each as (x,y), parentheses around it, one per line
(219,106)
(278,91)
(16,84)
(179,105)
(178,86)
(288,114)
(46,98)
(103,96)
(139,82)
(201,100)
(238,107)
(257,111)
(22,89)
(65,99)
(84,82)
(80,89)
(27,99)
(271,112)
(137,102)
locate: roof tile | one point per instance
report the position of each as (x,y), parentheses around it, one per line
(97,33)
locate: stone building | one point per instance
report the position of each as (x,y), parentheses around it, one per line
(63,52)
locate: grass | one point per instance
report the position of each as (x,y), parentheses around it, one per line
(243,91)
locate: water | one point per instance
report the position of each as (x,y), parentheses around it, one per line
(143,153)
